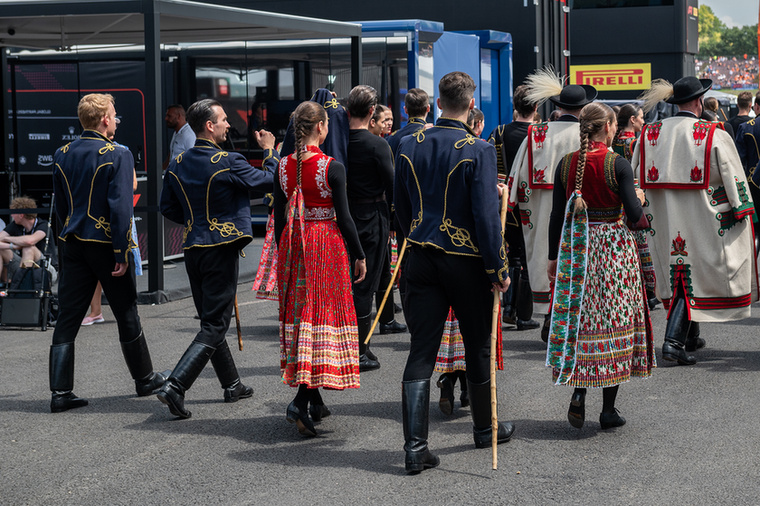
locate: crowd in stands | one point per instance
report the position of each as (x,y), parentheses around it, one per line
(729,73)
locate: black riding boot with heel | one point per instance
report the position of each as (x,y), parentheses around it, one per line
(224,367)
(137,357)
(183,376)
(415,400)
(480,407)
(62,379)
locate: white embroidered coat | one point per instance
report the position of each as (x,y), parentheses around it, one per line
(531,183)
(700,213)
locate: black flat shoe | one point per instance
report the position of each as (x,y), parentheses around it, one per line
(318,412)
(527,324)
(576,413)
(393,327)
(367,364)
(446,403)
(301,419)
(611,420)
(546,328)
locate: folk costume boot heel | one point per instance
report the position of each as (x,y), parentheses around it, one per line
(509,313)
(297,413)
(676,333)
(62,379)
(480,407)
(224,367)
(576,413)
(415,402)
(446,383)
(137,357)
(546,328)
(182,378)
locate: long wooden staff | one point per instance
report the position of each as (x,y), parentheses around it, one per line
(387,291)
(495,320)
(237,322)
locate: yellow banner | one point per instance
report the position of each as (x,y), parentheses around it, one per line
(618,77)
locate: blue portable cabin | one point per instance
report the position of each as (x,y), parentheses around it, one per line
(432,52)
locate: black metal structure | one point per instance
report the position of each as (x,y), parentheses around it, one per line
(50,24)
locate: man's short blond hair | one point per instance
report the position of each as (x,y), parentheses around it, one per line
(93,108)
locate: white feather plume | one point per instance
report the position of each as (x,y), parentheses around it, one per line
(660,90)
(544,83)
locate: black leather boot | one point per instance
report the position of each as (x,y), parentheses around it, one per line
(693,341)
(676,332)
(415,400)
(62,379)
(224,367)
(524,305)
(480,407)
(446,383)
(137,357)
(546,328)
(366,363)
(509,311)
(182,377)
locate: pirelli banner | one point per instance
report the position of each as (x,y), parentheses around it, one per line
(614,77)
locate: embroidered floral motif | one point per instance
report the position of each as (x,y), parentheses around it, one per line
(539,134)
(653,174)
(653,133)
(319,213)
(679,246)
(523,192)
(539,175)
(696,173)
(700,132)
(321,177)
(283,175)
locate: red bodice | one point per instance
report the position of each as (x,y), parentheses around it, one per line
(317,194)
(600,187)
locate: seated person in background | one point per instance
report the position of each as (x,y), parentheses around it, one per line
(23,240)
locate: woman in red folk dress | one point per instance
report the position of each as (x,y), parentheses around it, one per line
(318,332)
(601,335)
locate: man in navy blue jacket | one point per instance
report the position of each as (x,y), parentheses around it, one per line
(92,182)
(447,204)
(206,190)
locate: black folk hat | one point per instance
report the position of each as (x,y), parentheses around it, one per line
(688,88)
(574,96)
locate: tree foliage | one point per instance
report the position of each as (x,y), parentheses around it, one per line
(716,39)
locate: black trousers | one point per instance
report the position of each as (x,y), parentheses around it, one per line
(213,274)
(372,225)
(84,264)
(434,281)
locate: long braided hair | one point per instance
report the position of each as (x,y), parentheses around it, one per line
(305,118)
(593,117)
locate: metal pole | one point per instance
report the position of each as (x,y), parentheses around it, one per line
(153,160)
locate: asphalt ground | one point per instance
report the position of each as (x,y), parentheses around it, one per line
(691,436)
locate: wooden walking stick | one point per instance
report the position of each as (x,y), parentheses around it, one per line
(495,321)
(387,291)
(237,322)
